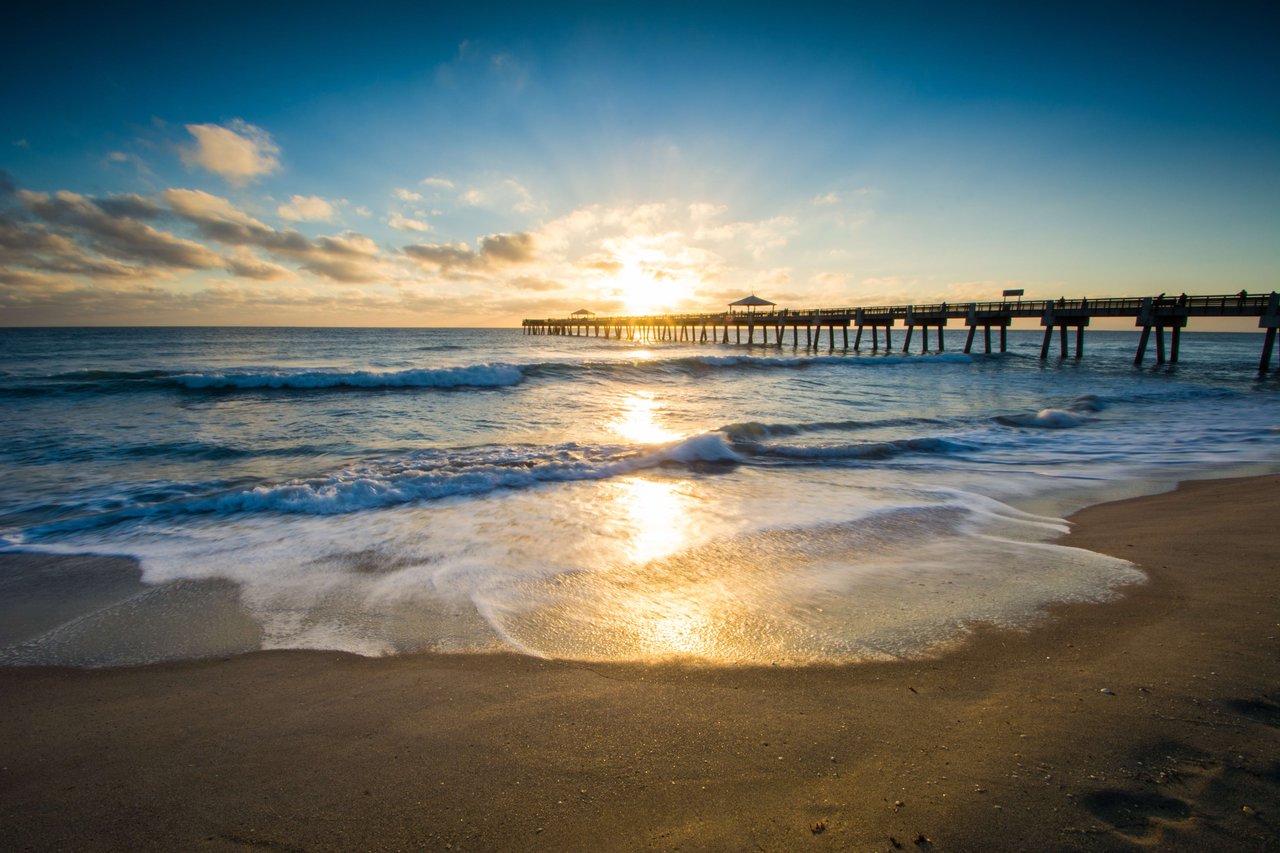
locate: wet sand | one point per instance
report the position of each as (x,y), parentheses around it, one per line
(1150,721)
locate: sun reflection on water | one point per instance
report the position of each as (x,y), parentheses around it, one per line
(636,420)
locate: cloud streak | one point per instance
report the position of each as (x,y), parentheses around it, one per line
(495,251)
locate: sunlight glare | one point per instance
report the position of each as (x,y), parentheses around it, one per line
(657,515)
(635,421)
(651,280)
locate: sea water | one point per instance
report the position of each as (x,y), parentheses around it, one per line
(383,491)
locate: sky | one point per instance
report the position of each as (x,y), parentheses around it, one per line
(424,164)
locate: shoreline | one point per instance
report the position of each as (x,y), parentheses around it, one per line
(1006,742)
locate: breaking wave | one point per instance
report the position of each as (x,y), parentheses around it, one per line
(435,474)
(1080,412)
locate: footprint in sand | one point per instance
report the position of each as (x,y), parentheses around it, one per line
(1137,815)
(1260,709)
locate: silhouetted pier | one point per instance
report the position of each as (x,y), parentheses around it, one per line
(1150,313)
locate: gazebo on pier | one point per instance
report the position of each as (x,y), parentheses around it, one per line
(750,304)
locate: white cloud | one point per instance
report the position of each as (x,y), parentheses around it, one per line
(437,183)
(238,152)
(407,194)
(306,208)
(404,223)
(825,200)
(506,193)
(364,211)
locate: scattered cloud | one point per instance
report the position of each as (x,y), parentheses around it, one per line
(404,223)
(475,61)
(534,283)
(238,152)
(121,237)
(508,248)
(826,200)
(124,158)
(502,194)
(437,183)
(348,257)
(307,208)
(243,262)
(405,194)
(495,250)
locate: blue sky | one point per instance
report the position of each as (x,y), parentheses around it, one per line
(422,164)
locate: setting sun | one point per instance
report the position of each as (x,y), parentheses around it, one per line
(652,279)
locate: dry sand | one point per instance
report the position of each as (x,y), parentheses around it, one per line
(1152,721)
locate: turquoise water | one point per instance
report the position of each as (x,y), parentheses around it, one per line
(385,491)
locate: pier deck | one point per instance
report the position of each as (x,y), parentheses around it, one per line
(1150,313)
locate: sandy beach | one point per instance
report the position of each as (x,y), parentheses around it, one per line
(1149,721)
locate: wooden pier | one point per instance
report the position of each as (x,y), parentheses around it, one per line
(1150,313)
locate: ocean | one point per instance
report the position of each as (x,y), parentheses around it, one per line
(385,491)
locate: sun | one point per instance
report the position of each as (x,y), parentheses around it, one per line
(652,280)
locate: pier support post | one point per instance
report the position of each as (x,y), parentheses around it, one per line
(1159,344)
(1004,338)
(907,343)
(795,337)
(1142,345)
(986,339)
(857,340)
(1173,344)
(888,338)
(968,339)
(1270,320)
(1048,339)
(1062,341)
(831,337)
(1080,341)
(845,331)
(875,339)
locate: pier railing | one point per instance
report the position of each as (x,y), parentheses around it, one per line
(1150,313)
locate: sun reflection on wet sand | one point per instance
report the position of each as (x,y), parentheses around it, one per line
(678,628)
(655,514)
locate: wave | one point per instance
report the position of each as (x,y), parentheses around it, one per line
(875,450)
(474,376)
(749,430)
(1080,412)
(436,474)
(494,375)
